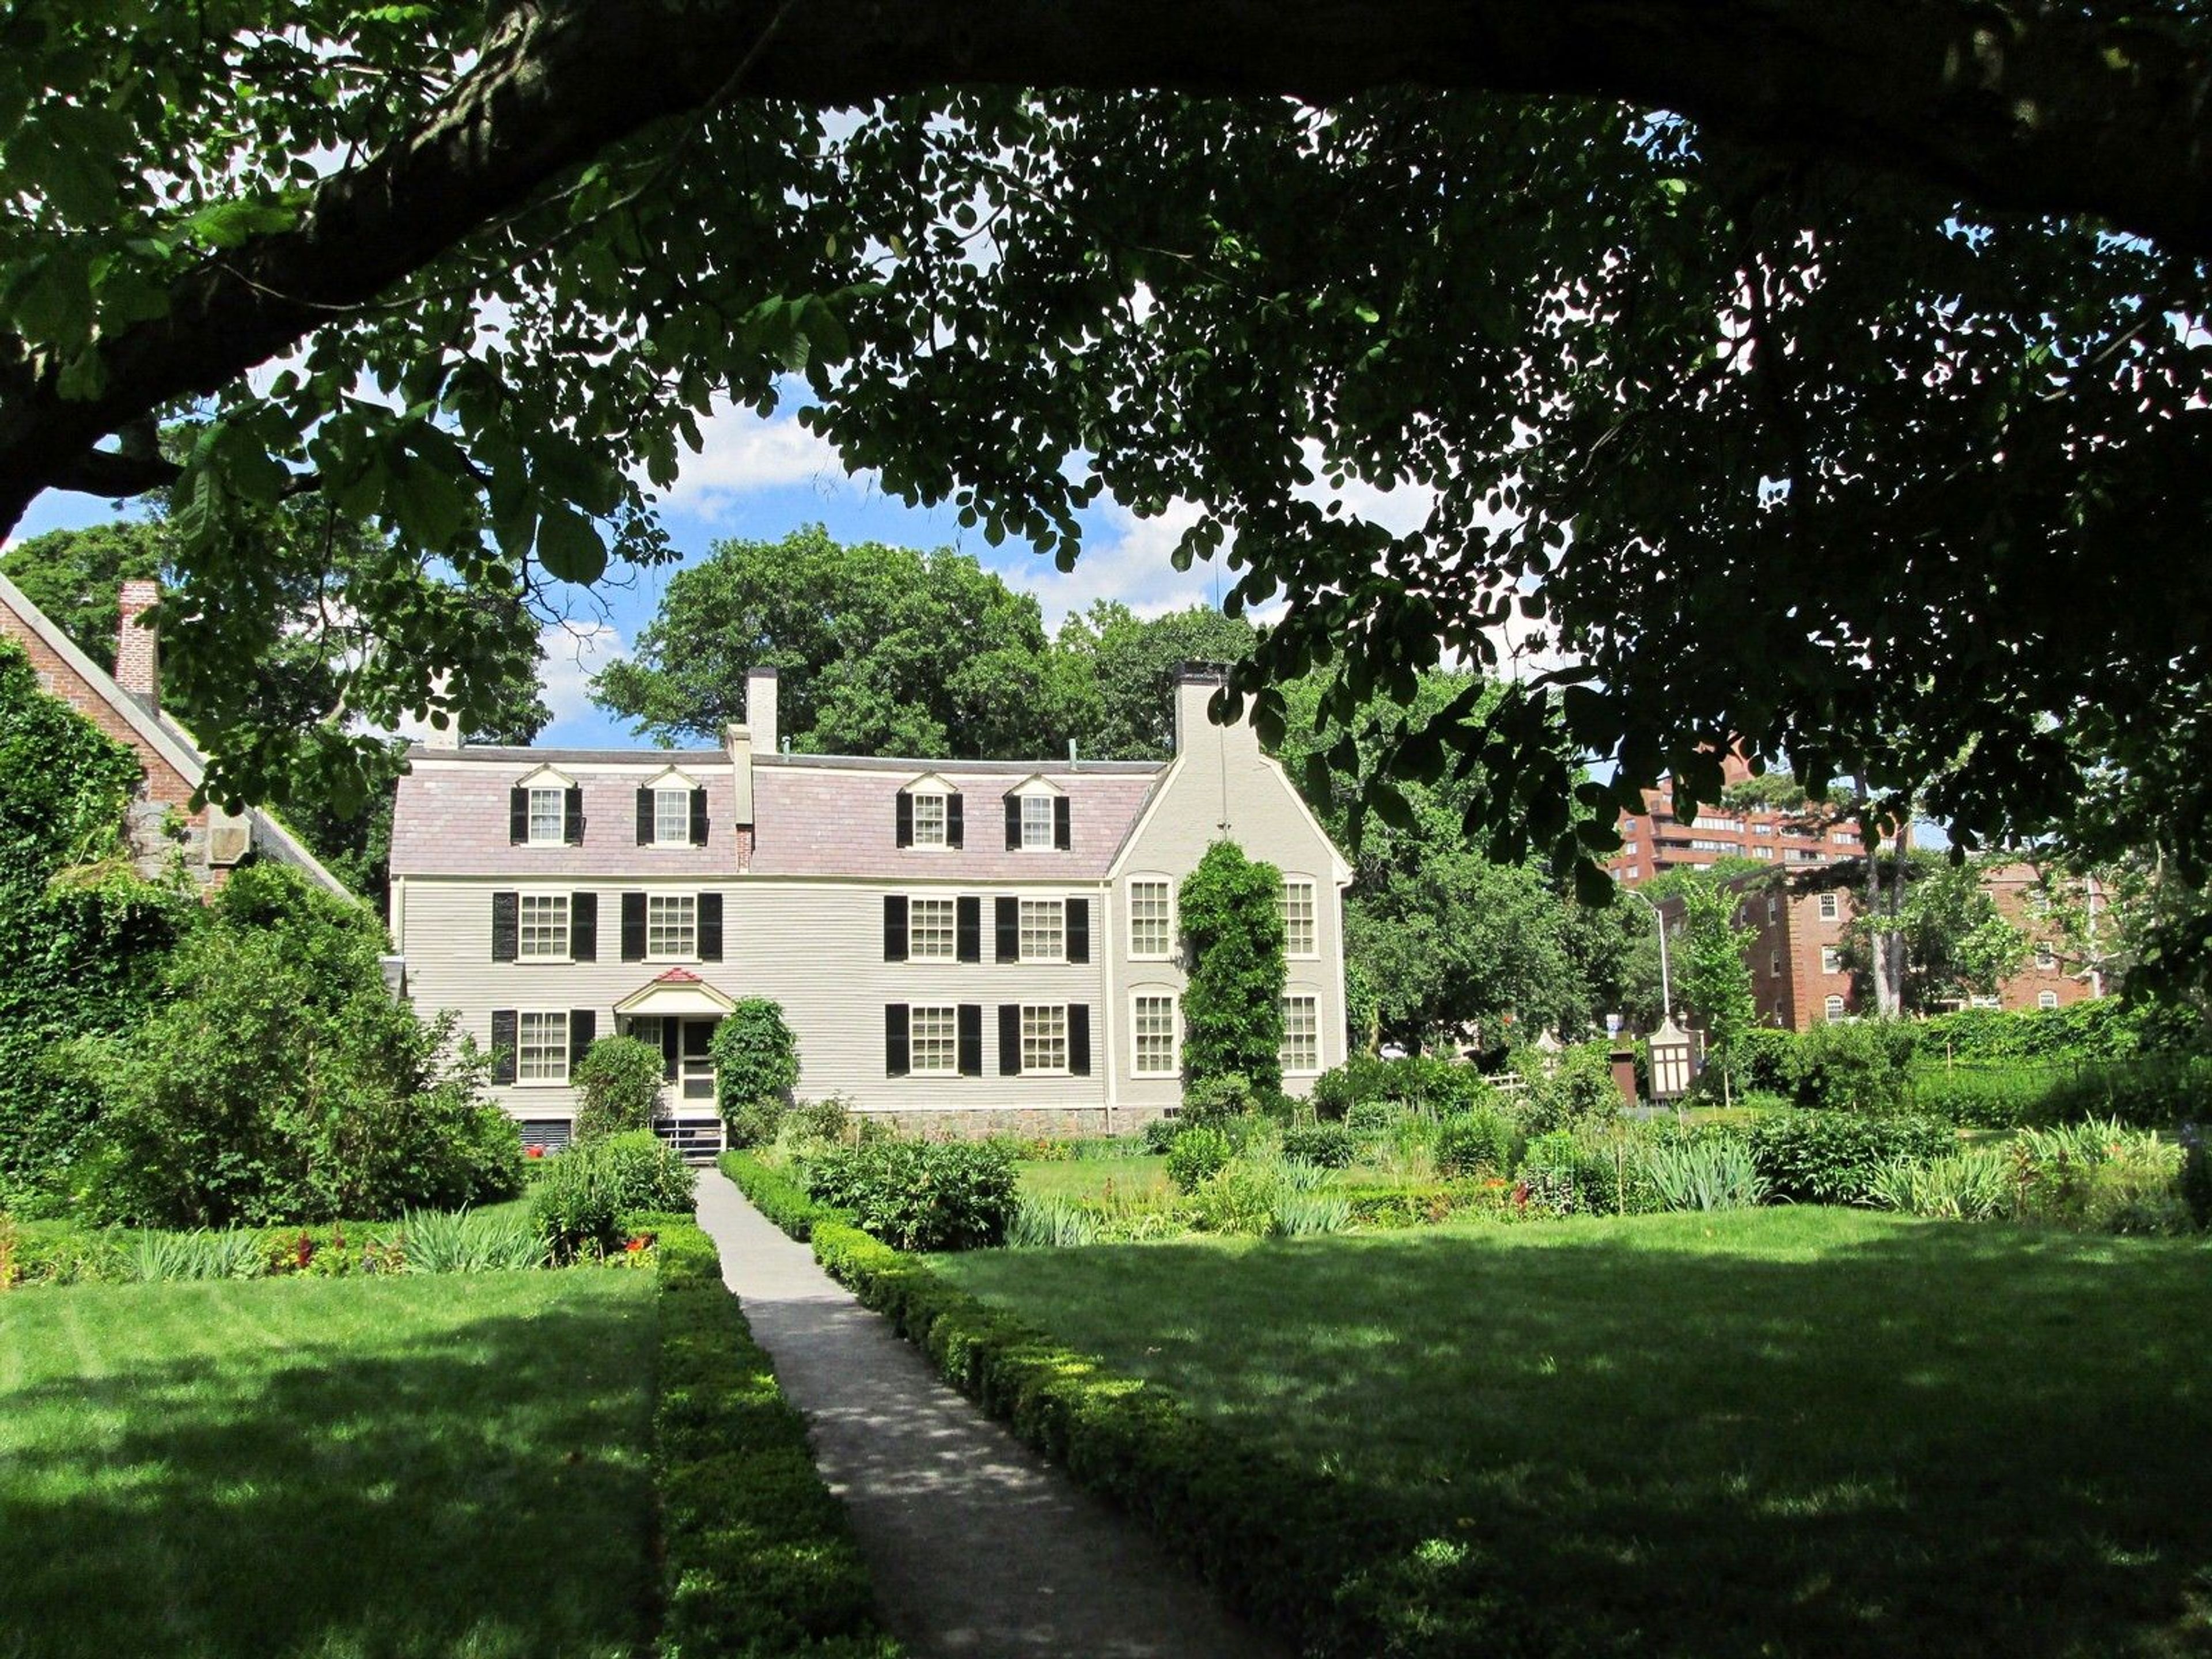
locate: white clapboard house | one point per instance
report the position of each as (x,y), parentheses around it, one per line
(960,946)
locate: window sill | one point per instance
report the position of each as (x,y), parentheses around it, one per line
(1063,1072)
(539,1083)
(673,961)
(544,962)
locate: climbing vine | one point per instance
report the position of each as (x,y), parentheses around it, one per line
(1232,1007)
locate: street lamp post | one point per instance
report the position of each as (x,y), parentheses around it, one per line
(1670,1044)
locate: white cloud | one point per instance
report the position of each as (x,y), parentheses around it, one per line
(569,654)
(743,454)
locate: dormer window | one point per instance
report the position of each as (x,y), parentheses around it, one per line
(671,818)
(672,812)
(1036,822)
(929,815)
(1037,819)
(545,809)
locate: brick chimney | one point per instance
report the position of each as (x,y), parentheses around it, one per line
(137,650)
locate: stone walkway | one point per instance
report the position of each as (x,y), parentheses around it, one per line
(978,1546)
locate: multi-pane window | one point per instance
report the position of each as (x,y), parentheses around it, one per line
(1044,1038)
(1832,1010)
(929,819)
(1773,908)
(544,920)
(932,927)
(541,1049)
(1832,960)
(549,816)
(1830,906)
(1044,930)
(671,818)
(2046,958)
(1766,853)
(1036,821)
(1152,920)
(1300,1049)
(2047,999)
(1296,902)
(1152,1036)
(672,926)
(1762,829)
(933,1041)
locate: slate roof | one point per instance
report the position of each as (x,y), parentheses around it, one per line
(814,815)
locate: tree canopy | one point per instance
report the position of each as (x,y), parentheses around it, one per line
(1827,381)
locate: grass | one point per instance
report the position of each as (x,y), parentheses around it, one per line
(1797,1432)
(1090,1177)
(342,1469)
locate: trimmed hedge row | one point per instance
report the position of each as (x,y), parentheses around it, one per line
(1277,1540)
(758,1561)
(778,1197)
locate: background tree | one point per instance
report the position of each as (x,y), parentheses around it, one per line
(1232,1001)
(1712,972)
(1130,663)
(1951,941)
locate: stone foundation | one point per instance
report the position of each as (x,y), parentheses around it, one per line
(1026,1123)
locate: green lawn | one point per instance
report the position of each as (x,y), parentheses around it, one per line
(1091,1177)
(335,1469)
(1809,1431)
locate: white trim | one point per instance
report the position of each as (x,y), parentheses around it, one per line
(1312,885)
(544,776)
(1129,904)
(1021,1030)
(688,956)
(683,791)
(567,897)
(560,1082)
(1319,1056)
(1021,953)
(952,948)
(1174,999)
(952,1008)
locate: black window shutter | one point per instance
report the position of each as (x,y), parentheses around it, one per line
(902,819)
(1013,823)
(583,1026)
(1010,1039)
(1009,930)
(572,818)
(968,929)
(894,928)
(633,939)
(955,830)
(710,927)
(971,1039)
(518,814)
(584,927)
(698,818)
(506,927)
(645,817)
(503,1039)
(1063,824)
(671,1038)
(1079,930)
(896,1053)
(1078,1038)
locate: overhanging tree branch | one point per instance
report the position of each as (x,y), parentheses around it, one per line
(2041,113)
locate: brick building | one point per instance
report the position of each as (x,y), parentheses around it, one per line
(163,823)
(1653,840)
(1798,920)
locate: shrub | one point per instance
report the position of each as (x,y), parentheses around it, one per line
(756,1557)
(644,1172)
(1332,1096)
(2194,1185)
(618,1082)
(1371,1117)
(277,1081)
(1710,1174)
(1859,1065)
(1476,1143)
(1233,1002)
(921,1195)
(1325,1145)
(1575,1091)
(1833,1158)
(1761,1056)
(1196,1154)
(815,1125)
(574,1207)
(2163,1090)
(757,1123)
(1160,1134)
(1216,1100)
(755,1057)
(2103,1028)
(784,1201)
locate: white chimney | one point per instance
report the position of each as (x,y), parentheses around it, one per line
(760,710)
(1196,684)
(739,740)
(137,651)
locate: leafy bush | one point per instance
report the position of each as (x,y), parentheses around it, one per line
(816,1125)
(2163,1089)
(755,1057)
(1480,1142)
(1762,1059)
(921,1195)
(1858,1066)
(618,1080)
(1833,1158)
(757,1559)
(1325,1145)
(1575,1091)
(2194,1185)
(1160,1134)
(1332,1095)
(646,1172)
(757,1123)
(1710,1174)
(784,1201)
(1219,1099)
(277,1081)
(1373,1116)
(575,1208)
(1232,1006)
(1197,1154)
(2103,1028)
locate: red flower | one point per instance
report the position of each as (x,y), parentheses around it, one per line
(637,1244)
(534,1151)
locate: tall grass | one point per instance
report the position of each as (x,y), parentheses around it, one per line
(1702,1175)
(162,1258)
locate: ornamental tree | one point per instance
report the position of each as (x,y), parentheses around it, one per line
(756,1056)
(1232,1000)
(1827,380)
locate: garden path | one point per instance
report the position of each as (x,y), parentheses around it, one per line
(978,1546)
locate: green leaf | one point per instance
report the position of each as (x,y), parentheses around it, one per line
(569,545)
